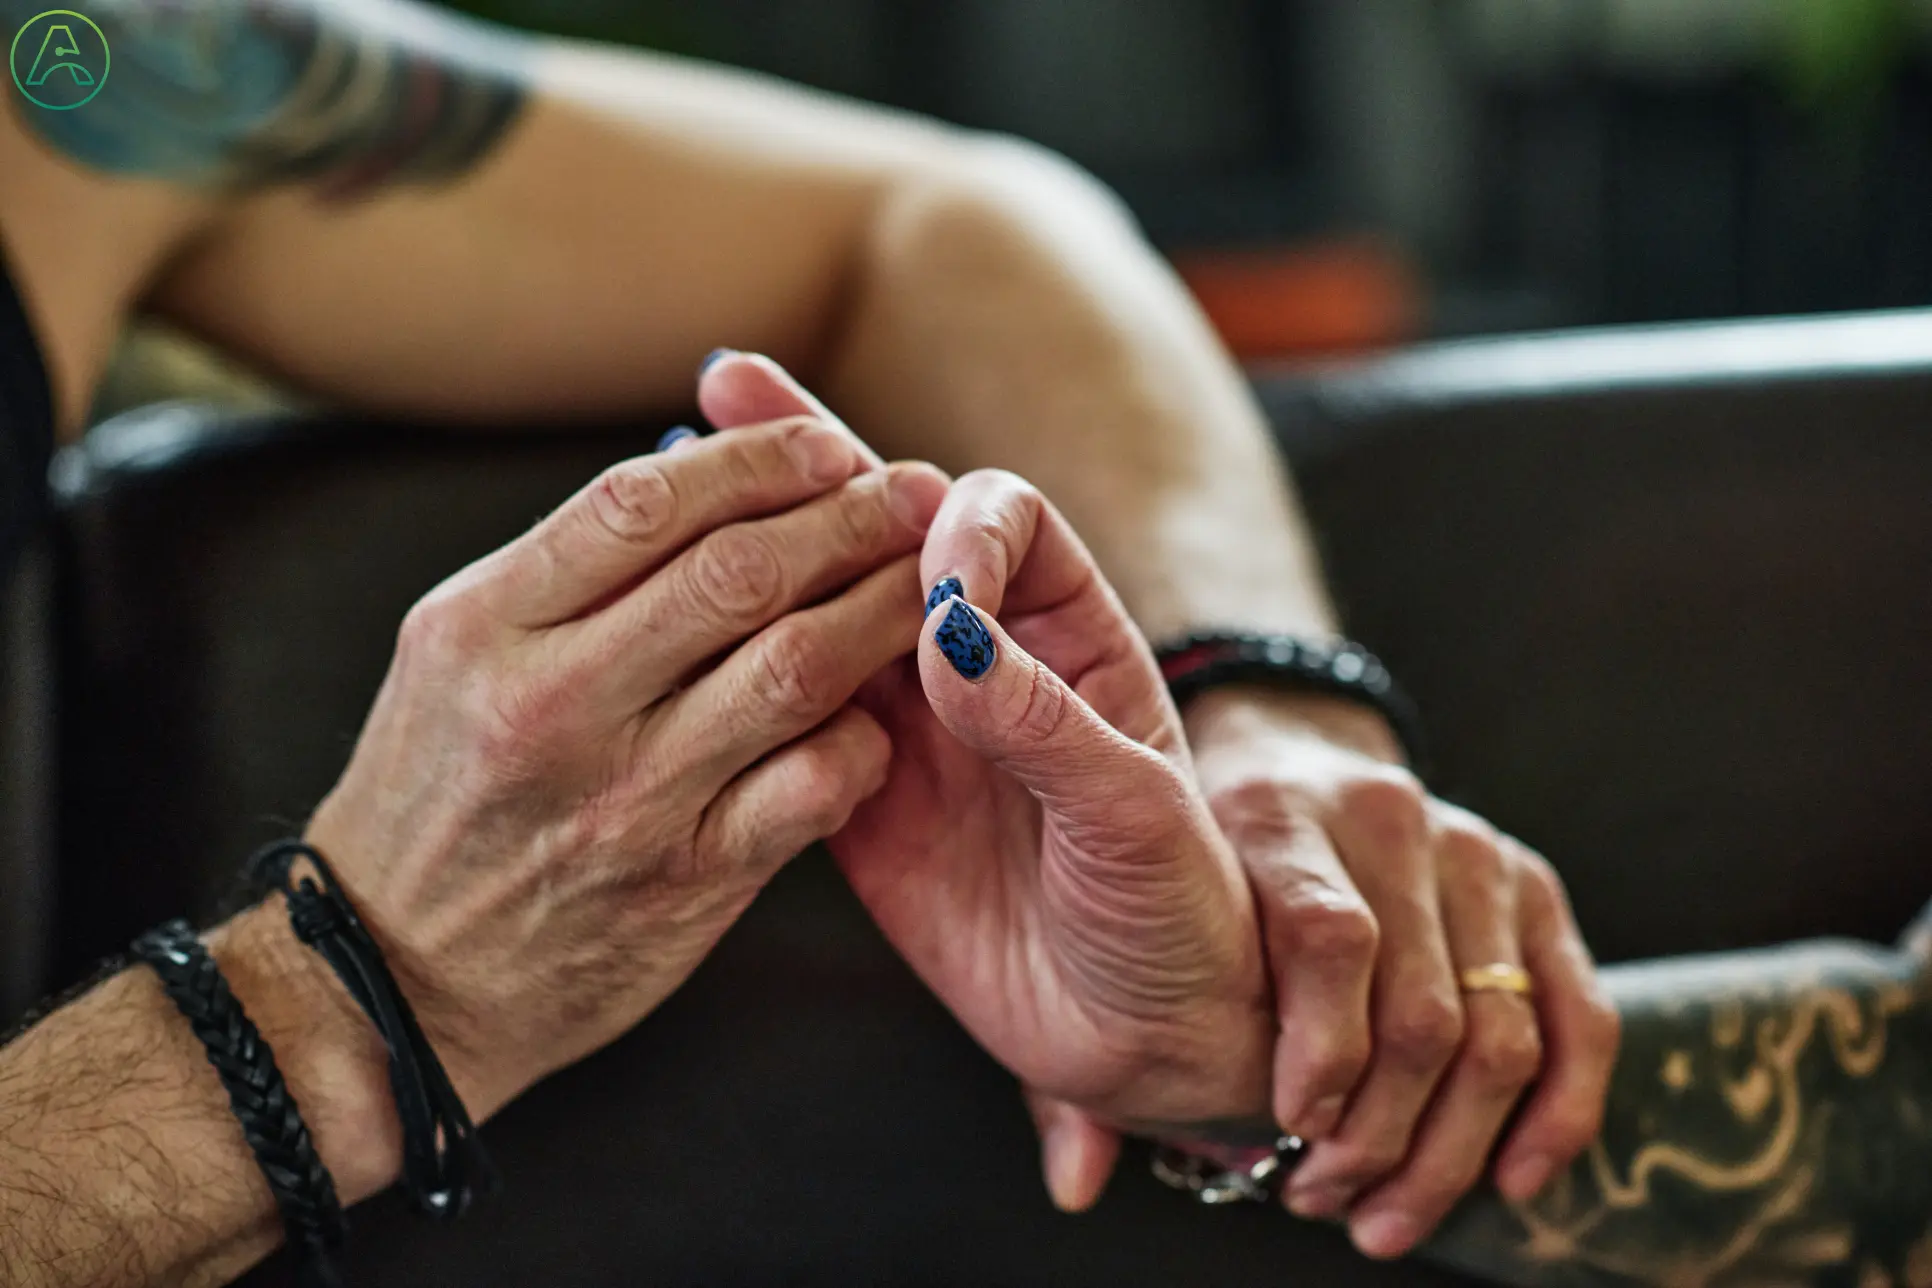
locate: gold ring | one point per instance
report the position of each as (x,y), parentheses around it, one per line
(1497,977)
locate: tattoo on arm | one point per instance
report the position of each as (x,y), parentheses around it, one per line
(240,95)
(1769,1123)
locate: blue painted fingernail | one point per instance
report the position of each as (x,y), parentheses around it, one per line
(675,434)
(713,358)
(965,641)
(942,590)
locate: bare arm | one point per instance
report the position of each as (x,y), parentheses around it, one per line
(1767,1124)
(408,211)
(121,1165)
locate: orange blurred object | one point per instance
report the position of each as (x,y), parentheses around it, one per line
(1344,296)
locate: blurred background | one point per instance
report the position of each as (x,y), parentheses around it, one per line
(1407,168)
(1339,176)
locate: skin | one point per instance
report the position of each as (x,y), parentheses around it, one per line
(466,225)
(1764,1122)
(556,807)
(1766,1125)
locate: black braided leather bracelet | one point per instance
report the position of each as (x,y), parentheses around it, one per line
(303,1189)
(444,1164)
(1337,668)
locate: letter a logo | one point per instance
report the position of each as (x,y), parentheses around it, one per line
(59,60)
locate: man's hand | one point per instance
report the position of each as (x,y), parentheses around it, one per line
(596,745)
(1374,897)
(591,750)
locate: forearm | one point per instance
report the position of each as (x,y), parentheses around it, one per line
(121,1164)
(1007,313)
(1767,1124)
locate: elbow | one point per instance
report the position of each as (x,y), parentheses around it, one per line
(988,202)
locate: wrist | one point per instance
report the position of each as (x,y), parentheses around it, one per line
(329,1053)
(1238,712)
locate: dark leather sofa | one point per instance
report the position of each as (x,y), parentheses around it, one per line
(1665,597)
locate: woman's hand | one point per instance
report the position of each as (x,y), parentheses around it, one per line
(1039,853)
(1374,898)
(594,746)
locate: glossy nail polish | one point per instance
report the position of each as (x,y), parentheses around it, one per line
(713,358)
(965,641)
(675,434)
(942,590)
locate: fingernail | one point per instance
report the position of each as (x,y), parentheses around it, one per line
(675,435)
(964,640)
(1522,1178)
(942,590)
(1318,1202)
(1386,1234)
(713,358)
(822,454)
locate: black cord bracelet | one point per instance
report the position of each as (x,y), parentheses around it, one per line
(1341,669)
(444,1164)
(304,1191)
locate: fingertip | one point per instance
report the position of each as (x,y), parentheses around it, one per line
(712,359)
(1521,1178)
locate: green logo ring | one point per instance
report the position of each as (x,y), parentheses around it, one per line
(13,66)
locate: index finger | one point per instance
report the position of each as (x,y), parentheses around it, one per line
(638,514)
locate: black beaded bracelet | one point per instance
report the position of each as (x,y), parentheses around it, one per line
(304,1191)
(1338,668)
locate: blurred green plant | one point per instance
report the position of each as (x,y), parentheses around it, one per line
(1839,56)
(650,24)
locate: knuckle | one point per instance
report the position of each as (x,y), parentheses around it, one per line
(1258,810)
(1335,1061)
(793,676)
(440,628)
(1471,851)
(1043,709)
(858,516)
(1504,1055)
(1543,888)
(1390,805)
(634,501)
(1423,1031)
(767,457)
(736,575)
(1329,924)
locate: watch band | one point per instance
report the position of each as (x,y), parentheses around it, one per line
(1336,668)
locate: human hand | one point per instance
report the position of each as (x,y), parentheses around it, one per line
(595,745)
(1374,896)
(1038,853)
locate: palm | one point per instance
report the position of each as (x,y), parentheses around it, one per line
(1007,911)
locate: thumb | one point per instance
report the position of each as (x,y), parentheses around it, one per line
(1013,711)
